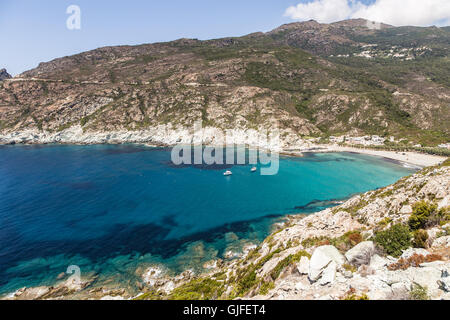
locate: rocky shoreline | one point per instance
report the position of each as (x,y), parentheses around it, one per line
(289,143)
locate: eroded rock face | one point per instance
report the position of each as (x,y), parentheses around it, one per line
(321,259)
(303,265)
(361,253)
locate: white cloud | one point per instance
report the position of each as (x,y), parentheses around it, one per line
(395,12)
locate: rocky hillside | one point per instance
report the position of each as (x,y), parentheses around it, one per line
(309,79)
(392,243)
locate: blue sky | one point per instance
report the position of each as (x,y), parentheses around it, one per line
(33,31)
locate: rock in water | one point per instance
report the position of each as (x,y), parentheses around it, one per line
(320,260)
(361,253)
(4,75)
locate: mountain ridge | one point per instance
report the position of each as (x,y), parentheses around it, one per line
(310,79)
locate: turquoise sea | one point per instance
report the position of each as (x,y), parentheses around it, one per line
(115,210)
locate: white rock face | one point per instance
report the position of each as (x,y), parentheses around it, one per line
(161,134)
(412,251)
(406,209)
(320,260)
(442,242)
(444,284)
(361,253)
(377,262)
(328,274)
(303,265)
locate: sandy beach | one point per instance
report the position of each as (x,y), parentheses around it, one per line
(413,158)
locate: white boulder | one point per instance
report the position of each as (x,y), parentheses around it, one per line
(377,262)
(303,265)
(412,251)
(320,260)
(328,274)
(361,253)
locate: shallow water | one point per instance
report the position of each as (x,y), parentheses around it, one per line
(113,210)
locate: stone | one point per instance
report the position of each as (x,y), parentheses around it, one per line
(361,253)
(412,251)
(406,209)
(442,242)
(425,277)
(400,290)
(152,275)
(31,293)
(328,274)
(303,265)
(444,284)
(377,262)
(112,298)
(435,264)
(321,258)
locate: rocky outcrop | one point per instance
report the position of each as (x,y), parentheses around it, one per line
(4,75)
(361,254)
(324,263)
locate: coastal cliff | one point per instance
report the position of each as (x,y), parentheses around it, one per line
(391,243)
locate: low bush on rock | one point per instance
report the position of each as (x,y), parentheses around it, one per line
(420,238)
(293,258)
(349,267)
(418,293)
(199,289)
(343,243)
(426,215)
(266,287)
(414,261)
(351,295)
(394,240)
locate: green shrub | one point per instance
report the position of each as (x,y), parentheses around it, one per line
(150,295)
(394,240)
(418,293)
(349,267)
(199,289)
(426,214)
(293,258)
(355,297)
(266,287)
(423,212)
(420,238)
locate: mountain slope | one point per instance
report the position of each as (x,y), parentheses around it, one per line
(310,79)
